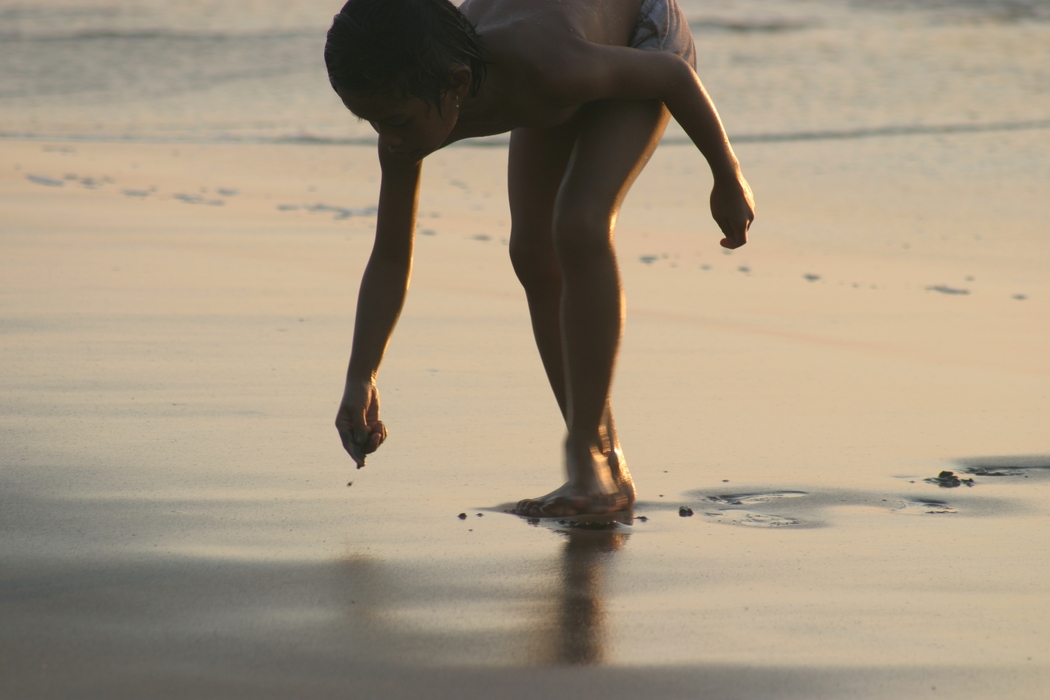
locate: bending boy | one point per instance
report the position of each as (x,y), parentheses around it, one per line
(585,87)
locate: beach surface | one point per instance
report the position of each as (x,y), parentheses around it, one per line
(178,517)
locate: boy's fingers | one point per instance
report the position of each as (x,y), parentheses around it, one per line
(376,437)
(352,448)
(734,238)
(361,428)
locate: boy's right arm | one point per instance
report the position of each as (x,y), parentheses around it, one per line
(379,302)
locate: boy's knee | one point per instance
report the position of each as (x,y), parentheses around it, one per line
(533,260)
(580,233)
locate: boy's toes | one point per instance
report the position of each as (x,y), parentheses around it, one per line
(528,507)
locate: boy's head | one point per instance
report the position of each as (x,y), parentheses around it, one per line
(402,46)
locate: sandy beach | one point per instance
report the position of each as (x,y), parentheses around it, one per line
(178,517)
(175,510)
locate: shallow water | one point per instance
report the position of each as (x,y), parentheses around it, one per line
(252,69)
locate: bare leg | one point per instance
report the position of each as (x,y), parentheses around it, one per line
(566,189)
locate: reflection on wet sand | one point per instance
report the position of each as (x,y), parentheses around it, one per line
(574,633)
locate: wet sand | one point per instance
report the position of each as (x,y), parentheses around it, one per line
(175,518)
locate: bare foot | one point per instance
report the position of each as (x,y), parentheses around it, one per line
(599,483)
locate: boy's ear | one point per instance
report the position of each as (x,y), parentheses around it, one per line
(461,76)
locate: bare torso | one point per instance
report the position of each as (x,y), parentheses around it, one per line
(524,40)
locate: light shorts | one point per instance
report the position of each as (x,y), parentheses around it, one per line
(663,27)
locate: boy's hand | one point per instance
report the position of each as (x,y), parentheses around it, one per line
(358,421)
(733,208)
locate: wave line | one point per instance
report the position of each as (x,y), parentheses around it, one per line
(488,142)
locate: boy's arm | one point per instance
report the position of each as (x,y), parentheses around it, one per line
(379,303)
(592,72)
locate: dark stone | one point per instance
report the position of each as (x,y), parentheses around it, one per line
(948,480)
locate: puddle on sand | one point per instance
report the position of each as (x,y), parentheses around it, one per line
(747,518)
(729,514)
(750,499)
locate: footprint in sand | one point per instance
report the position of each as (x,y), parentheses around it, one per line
(44,180)
(922,506)
(945,289)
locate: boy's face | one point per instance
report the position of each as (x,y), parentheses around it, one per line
(406,125)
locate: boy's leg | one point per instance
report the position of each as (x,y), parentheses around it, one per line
(538,158)
(536,165)
(614,141)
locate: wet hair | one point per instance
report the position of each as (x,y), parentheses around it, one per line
(409,46)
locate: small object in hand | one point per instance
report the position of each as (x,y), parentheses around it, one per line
(462,516)
(685,512)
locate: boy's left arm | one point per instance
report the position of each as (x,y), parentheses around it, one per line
(591,72)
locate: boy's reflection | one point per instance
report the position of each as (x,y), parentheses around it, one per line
(577,633)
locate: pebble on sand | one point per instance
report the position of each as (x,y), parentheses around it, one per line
(948,480)
(685,512)
(462,516)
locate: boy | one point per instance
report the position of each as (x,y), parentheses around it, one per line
(586,88)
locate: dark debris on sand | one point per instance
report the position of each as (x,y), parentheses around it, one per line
(994,471)
(685,512)
(948,480)
(462,516)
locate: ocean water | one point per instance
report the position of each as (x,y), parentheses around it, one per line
(252,70)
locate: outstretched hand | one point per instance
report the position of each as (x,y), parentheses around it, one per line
(358,421)
(733,208)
